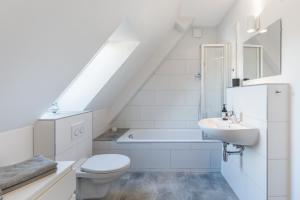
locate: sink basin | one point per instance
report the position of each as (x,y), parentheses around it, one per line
(229,132)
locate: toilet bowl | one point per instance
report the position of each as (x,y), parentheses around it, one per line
(96,174)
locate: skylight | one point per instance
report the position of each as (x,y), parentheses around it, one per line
(110,57)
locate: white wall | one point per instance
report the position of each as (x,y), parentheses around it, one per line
(170,98)
(100,122)
(16,145)
(247,175)
(255,174)
(270,11)
(136,83)
(44,44)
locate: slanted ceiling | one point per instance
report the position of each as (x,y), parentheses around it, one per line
(45,44)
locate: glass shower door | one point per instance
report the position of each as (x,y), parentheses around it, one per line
(213,80)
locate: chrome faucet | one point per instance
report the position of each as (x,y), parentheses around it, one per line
(232,117)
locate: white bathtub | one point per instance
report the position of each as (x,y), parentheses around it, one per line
(165,150)
(162,135)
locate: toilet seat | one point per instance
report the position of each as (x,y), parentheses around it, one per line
(105,163)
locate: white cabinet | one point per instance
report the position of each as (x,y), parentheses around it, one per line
(57,186)
(64,137)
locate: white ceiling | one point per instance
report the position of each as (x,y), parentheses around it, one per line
(45,44)
(206,12)
(151,19)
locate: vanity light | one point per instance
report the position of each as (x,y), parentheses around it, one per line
(261,31)
(251,24)
(254,25)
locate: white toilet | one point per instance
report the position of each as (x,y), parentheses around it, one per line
(96,174)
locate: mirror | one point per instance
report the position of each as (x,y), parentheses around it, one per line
(262,53)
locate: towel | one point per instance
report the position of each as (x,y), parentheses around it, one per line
(25,172)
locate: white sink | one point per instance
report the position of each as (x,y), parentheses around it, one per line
(229,132)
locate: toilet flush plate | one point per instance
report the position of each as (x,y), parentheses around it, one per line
(77,130)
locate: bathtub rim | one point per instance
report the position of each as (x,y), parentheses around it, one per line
(122,140)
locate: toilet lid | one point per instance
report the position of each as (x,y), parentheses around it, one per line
(105,163)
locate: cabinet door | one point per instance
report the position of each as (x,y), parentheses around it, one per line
(63,189)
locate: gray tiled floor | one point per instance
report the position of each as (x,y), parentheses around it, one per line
(171,186)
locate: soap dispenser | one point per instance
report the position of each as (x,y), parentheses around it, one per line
(224,112)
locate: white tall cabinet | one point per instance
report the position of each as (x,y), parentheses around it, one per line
(66,136)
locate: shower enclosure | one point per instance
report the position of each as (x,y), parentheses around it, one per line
(215,76)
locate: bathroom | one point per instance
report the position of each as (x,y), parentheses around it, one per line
(154,100)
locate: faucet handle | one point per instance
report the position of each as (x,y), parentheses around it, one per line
(236,119)
(241,117)
(231,113)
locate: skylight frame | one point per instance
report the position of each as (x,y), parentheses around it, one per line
(108,60)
